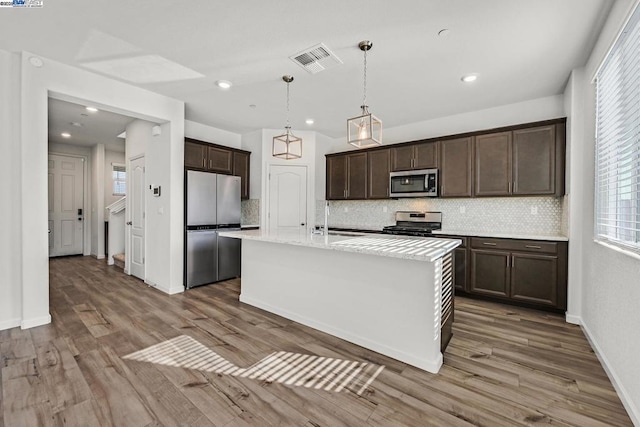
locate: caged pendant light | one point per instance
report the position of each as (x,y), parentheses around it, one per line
(366,129)
(287,146)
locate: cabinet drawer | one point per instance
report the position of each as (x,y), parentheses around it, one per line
(515,245)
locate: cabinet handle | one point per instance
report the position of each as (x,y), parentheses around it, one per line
(488,244)
(210,164)
(509,190)
(533,246)
(204,165)
(508,262)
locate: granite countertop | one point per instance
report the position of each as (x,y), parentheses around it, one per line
(405,247)
(503,235)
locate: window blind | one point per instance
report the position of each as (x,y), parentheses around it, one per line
(617,207)
(119,180)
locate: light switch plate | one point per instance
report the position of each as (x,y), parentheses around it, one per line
(463,209)
(534,210)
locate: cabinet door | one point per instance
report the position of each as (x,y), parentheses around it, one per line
(456,163)
(493,164)
(357,176)
(461,269)
(490,273)
(241,169)
(402,158)
(534,160)
(195,155)
(220,160)
(378,167)
(336,178)
(534,278)
(425,155)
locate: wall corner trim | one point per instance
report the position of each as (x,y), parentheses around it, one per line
(8,324)
(38,321)
(627,402)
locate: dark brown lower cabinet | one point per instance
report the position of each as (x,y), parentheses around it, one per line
(524,272)
(490,273)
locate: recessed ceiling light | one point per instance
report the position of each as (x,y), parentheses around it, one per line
(223,84)
(469,78)
(76,124)
(65,135)
(309,121)
(92,109)
(252,105)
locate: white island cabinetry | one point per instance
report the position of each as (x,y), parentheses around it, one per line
(390,294)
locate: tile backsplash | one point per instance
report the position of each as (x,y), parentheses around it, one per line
(250,212)
(523,215)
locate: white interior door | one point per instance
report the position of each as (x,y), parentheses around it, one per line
(66,219)
(287,197)
(136,223)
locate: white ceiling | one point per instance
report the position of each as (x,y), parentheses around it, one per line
(520,50)
(101,127)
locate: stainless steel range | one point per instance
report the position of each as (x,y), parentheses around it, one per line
(412,223)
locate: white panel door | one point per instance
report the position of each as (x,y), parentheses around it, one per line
(136,192)
(287,197)
(65,200)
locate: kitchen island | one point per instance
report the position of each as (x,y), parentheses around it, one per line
(390,294)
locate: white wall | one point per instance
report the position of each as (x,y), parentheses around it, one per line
(10,195)
(97,200)
(522,112)
(210,134)
(28,264)
(604,281)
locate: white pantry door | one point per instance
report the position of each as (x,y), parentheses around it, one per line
(287,197)
(136,223)
(66,219)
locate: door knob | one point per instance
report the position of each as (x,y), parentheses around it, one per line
(129,223)
(302,224)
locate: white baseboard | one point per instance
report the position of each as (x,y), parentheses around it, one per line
(100,256)
(8,324)
(628,404)
(38,321)
(573,319)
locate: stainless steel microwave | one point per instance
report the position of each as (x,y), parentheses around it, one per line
(415,183)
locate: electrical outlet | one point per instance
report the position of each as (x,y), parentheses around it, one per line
(384,209)
(346,209)
(534,210)
(463,209)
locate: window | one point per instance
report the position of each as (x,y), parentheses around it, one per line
(618,142)
(119,175)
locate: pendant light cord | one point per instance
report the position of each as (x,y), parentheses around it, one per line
(364,99)
(288,125)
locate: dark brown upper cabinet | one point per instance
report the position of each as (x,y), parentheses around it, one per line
(204,156)
(220,160)
(422,155)
(378,168)
(493,164)
(241,168)
(456,167)
(535,163)
(195,155)
(347,176)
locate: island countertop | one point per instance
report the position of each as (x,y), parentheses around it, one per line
(405,247)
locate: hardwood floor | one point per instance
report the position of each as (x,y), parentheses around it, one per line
(504,365)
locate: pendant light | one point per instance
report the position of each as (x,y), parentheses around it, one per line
(366,129)
(287,146)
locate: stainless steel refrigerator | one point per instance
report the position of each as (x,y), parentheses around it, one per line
(212,204)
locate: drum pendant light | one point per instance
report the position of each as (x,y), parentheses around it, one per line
(287,146)
(366,129)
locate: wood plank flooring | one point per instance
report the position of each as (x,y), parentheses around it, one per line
(505,366)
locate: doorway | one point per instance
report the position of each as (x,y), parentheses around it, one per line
(136,224)
(66,205)
(287,197)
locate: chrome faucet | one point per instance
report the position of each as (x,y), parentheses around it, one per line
(324,230)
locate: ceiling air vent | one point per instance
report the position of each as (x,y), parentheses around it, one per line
(316,58)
